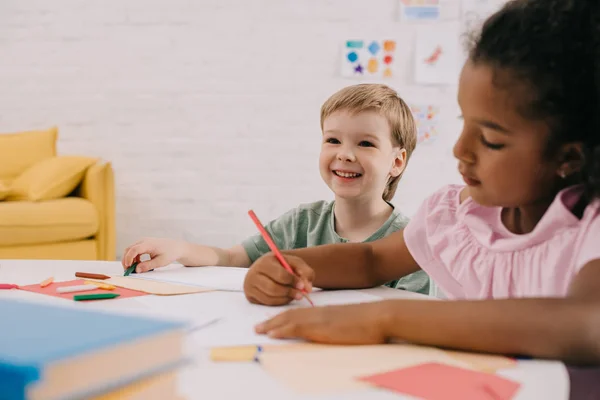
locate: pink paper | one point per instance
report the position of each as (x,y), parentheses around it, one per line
(434,381)
(50,290)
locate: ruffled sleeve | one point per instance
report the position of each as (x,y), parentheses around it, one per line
(436,212)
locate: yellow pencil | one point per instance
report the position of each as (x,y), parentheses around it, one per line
(47,282)
(104,286)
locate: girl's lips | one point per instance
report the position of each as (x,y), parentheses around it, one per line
(470,181)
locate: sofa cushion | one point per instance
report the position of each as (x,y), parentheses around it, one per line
(4,190)
(51,178)
(26,222)
(19,151)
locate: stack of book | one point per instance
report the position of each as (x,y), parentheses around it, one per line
(53,352)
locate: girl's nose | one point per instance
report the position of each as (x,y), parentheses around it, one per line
(462,149)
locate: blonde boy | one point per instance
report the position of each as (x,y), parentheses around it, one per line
(368,136)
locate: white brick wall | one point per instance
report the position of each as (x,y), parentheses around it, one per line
(206,108)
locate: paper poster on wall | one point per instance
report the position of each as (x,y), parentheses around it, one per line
(437,55)
(368,58)
(426,118)
(419,10)
(475,12)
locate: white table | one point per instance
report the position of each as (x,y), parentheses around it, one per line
(207,380)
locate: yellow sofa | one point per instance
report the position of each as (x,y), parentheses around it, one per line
(54,206)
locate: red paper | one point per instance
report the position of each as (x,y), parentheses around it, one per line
(51,290)
(434,381)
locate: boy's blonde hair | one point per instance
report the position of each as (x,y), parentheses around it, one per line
(385,100)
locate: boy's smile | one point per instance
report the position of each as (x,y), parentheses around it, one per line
(346,175)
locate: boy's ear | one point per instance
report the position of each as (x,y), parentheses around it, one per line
(571,160)
(399,162)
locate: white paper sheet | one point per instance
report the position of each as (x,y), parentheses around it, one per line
(238,328)
(160,307)
(236,316)
(220,278)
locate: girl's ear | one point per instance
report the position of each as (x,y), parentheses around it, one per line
(399,162)
(571,160)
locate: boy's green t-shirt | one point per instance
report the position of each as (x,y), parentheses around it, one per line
(313,225)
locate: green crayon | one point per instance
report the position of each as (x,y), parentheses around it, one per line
(99,296)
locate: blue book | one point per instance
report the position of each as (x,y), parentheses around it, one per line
(52,352)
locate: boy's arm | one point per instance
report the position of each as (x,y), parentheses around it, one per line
(282,230)
(164,251)
(199,255)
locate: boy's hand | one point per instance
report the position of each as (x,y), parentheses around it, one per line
(349,324)
(162,252)
(267,282)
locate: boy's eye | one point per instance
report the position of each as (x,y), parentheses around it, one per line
(493,146)
(364,143)
(332,141)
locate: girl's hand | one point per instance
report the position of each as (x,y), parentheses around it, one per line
(268,283)
(350,324)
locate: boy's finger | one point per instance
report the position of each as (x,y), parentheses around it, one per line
(136,251)
(127,258)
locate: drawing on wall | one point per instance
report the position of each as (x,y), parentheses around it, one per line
(426,118)
(475,12)
(419,10)
(437,55)
(368,58)
(434,57)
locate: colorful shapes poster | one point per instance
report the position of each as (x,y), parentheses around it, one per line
(437,55)
(426,118)
(419,10)
(368,58)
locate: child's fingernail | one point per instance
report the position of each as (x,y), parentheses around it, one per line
(300,285)
(298,296)
(138,270)
(259,327)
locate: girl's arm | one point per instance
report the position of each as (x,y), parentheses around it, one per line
(358,265)
(331,266)
(557,328)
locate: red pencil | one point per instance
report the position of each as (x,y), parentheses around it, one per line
(275,250)
(8,286)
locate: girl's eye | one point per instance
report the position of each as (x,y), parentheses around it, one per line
(493,146)
(364,143)
(332,141)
